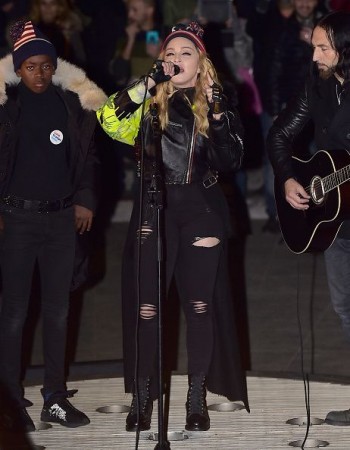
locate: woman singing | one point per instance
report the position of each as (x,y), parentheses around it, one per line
(200,135)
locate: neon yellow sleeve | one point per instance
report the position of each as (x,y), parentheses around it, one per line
(122,123)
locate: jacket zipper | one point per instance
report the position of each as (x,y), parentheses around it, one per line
(190,157)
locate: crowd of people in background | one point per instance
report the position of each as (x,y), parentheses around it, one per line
(261,49)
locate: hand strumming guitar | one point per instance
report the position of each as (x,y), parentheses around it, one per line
(296,195)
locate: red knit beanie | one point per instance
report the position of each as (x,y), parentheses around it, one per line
(192,31)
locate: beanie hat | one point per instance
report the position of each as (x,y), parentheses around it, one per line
(29,41)
(192,31)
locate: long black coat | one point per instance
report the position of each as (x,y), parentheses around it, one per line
(226,376)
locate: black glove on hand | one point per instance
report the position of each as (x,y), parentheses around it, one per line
(157,73)
(217,106)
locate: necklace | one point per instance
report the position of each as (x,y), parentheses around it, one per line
(338,92)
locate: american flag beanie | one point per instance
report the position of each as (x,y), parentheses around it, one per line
(29,41)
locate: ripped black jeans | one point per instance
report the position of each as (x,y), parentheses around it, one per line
(193,246)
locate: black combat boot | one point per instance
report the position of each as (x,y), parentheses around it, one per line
(197,417)
(145,407)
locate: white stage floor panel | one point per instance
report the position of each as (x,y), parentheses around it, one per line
(272,401)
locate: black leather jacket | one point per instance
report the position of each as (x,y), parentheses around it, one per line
(187,155)
(317,102)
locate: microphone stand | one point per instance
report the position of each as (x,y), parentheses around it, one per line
(157,194)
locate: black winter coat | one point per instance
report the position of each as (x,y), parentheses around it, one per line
(81,155)
(81,98)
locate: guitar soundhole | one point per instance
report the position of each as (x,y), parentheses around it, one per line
(316,190)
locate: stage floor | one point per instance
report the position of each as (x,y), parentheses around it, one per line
(273,401)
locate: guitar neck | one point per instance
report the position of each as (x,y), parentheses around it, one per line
(335,179)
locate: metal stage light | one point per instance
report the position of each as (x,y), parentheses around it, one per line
(41,426)
(309,443)
(302,421)
(171,436)
(225,407)
(113,409)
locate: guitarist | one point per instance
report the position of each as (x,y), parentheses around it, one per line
(324,101)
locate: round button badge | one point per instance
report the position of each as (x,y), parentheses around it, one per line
(56,137)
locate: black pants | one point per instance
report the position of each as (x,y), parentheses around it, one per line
(49,239)
(188,219)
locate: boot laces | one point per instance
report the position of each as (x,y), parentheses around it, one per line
(143,396)
(196,397)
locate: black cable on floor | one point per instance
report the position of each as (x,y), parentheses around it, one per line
(304,374)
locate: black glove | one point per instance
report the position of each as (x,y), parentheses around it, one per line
(157,72)
(217,105)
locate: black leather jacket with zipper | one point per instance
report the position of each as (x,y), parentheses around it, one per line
(188,156)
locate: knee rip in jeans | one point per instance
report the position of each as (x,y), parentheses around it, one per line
(199,307)
(148,311)
(206,242)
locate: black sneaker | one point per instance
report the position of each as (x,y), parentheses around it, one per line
(340,418)
(60,410)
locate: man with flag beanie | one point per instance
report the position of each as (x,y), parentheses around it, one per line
(47,198)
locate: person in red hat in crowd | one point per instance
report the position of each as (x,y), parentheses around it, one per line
(200,135)
(47,196)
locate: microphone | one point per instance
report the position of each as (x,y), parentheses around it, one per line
(158,66)
(157,72)
(176,69)
(217,106)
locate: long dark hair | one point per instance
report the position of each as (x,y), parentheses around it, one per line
(337,28)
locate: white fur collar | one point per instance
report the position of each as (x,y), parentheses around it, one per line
(67,76)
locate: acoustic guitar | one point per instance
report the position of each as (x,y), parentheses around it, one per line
(325,177)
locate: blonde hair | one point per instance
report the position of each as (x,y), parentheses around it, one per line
(165,91)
